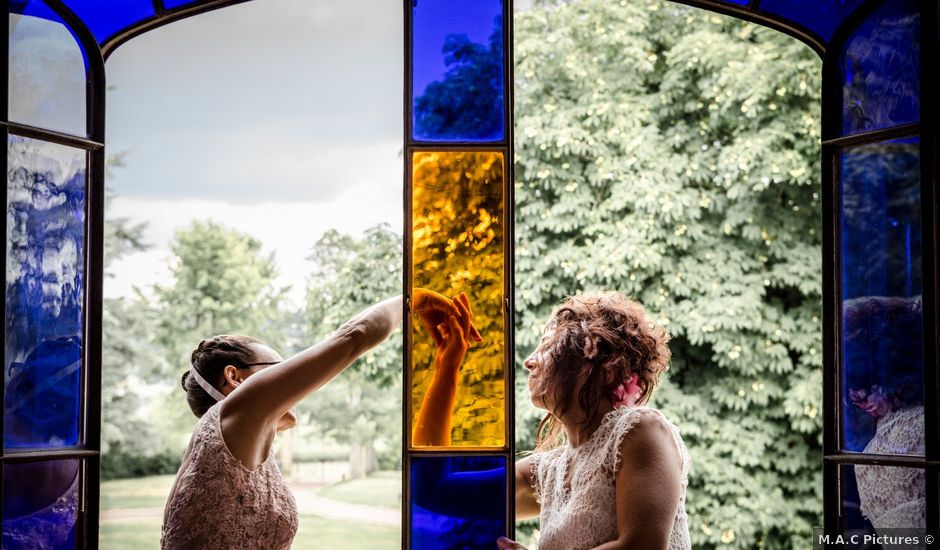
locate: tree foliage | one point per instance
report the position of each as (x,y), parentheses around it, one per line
(221,283)
(361,407)
(672,154)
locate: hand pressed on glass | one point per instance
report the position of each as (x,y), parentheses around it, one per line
(433,309)
(451,336)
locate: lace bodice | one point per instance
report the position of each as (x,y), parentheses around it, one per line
(218,503)
(584,515)
(890,496)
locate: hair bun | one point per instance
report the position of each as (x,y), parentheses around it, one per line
(184,379)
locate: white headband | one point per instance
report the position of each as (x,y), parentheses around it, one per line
(216,394)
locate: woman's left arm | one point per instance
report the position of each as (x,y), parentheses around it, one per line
(648,485)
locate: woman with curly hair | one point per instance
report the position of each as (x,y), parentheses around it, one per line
(608,471)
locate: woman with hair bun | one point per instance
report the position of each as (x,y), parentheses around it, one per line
(608,471)
(229,492)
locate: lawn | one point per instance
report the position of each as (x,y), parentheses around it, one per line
(313,533)
(379,489)
(144,492)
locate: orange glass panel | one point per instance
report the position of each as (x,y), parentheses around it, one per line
(458,237)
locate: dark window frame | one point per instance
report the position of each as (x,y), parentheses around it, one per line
(832,144)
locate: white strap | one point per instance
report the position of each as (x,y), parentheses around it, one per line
(216,394)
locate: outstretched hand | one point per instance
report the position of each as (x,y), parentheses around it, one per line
(454,336)
(434,309)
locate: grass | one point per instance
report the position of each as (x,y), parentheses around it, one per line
(313,533)
(144,492)
(379,489)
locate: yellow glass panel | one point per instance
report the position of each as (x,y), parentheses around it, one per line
(458,237)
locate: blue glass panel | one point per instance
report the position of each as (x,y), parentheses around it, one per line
(40,505)
(738,2)
(44,283)
(882,302)
(458,502)
(881,69)
(457,70)
(47,71)
(877,499)
(106,17)
(170,4)
(821,17)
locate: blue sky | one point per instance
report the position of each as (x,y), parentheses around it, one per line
(281,118)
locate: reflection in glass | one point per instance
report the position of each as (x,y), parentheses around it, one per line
(882,310)
(458,232)
(457,70)
(458,502)
(823,18)
(47,71)
(875,498)
(106,17)
(44,284)
(40,504)
(881,68)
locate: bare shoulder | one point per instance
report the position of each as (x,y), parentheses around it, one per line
(650,438)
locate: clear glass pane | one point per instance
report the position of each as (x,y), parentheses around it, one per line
(882,303)
(40,505)
(881,67)
(458,235)
(47,72)
(823,18)
(458,502)
(875,498)
(106,17)
(457,70)
(44,290)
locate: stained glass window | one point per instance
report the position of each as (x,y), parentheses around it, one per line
(47,71)
(881,68)
(875,498)
(457,502)
(457,71)
(44,293)
(821,17)
(106,17)
(458,238)
(882,286)
(40,505)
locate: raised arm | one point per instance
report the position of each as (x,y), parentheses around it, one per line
(263,397)
(452,339)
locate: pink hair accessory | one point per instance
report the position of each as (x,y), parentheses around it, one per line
(626,394)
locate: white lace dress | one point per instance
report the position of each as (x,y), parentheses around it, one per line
(893,497)
(584,515)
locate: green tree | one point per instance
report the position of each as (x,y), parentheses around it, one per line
(672,154)
(129,443)
(362,406)
(221,282)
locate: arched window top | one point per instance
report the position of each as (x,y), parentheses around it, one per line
(105,18)
(48,69)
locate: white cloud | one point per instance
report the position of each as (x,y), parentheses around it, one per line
(289,229)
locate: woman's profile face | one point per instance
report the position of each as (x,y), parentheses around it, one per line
(539,364)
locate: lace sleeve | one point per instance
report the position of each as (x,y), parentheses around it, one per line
(534,482)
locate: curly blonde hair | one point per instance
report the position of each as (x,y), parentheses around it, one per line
(610,336)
